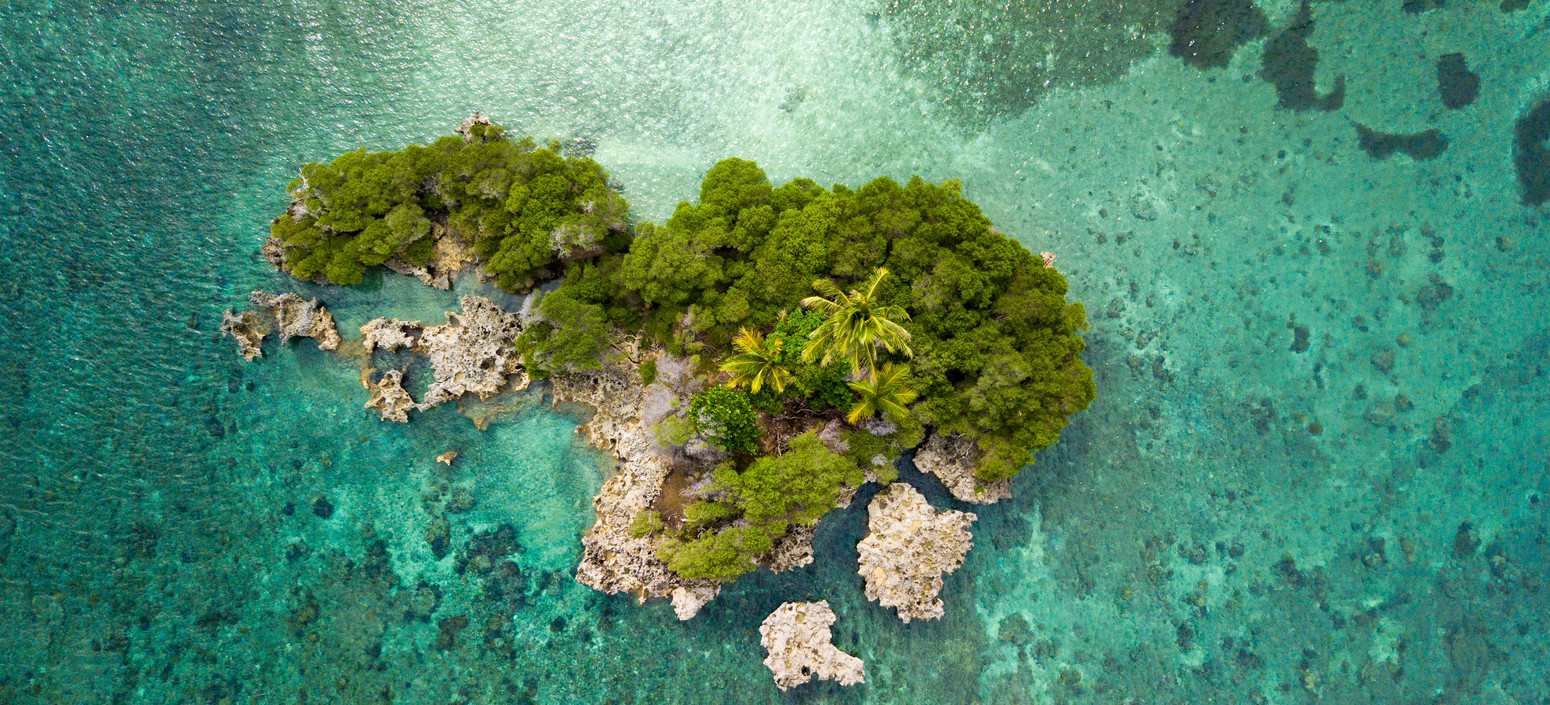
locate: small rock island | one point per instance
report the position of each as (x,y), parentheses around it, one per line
(752,362)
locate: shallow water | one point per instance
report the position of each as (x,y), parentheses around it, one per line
(1315,470)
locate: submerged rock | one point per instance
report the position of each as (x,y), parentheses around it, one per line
(797,638)
(952,458)
(908,548)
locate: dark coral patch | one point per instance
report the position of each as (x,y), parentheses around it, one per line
(1288,65)
(1457,84)
(1418,6)
(1514,5)
(1531,155)
(1207,32)
(1382,145)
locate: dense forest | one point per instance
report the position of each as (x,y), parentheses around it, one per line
(897,309)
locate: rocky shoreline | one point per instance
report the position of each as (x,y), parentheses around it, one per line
(909,546)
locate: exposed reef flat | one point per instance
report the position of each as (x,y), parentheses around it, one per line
(908,548)
(797,637)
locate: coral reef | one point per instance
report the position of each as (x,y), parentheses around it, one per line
(908,548)
(797,637)
(952,458)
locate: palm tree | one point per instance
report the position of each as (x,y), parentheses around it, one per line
(758,363)
(887,391)
(857,323)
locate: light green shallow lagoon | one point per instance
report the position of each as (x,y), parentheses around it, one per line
(1315,471)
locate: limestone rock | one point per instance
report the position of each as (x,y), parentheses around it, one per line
(793,550)
(612,560)
(908,548)
(299,318)
(797,638)
(450,257)
(447,457)
(288,314)
(472,352)
(952,458)
(390,334)
(388,396)
(687,601)
(249,330)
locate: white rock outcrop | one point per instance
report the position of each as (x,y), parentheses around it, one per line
(287,314)
(472,353)
(952,458)
(613,560)
(908,548)
(797,638)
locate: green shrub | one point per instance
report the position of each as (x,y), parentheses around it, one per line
(757,507)
(645,524)
(648,372)
(526,211)
(725,418)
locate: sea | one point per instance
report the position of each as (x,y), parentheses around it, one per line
(1305,233)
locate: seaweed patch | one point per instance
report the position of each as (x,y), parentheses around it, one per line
(1457,84)
(1531,156)
(1207,32)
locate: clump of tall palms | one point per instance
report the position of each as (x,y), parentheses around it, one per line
(757,363)
(857,325)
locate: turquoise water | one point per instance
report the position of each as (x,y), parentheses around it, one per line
(1315,470)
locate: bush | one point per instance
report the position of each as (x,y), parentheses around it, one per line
(757,507)
(726,419)
(645,524)
(526,211)
(648,372)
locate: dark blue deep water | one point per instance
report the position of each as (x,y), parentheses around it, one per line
(1305,235)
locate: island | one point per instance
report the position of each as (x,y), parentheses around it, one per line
(751,363)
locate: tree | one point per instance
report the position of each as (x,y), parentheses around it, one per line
(857,323)
(759,362)
(887,391)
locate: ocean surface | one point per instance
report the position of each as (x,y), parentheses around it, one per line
(1316,469)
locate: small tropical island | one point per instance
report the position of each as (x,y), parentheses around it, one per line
(751,362)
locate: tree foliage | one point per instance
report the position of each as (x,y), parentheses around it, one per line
(855,324)
(752,509)
(725,418)
(526,211)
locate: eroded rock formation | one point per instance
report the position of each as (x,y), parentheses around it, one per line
(797,638)
(908,548)
(389,397)
(287,314)
(613,560)
(471,353)
(952,458)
